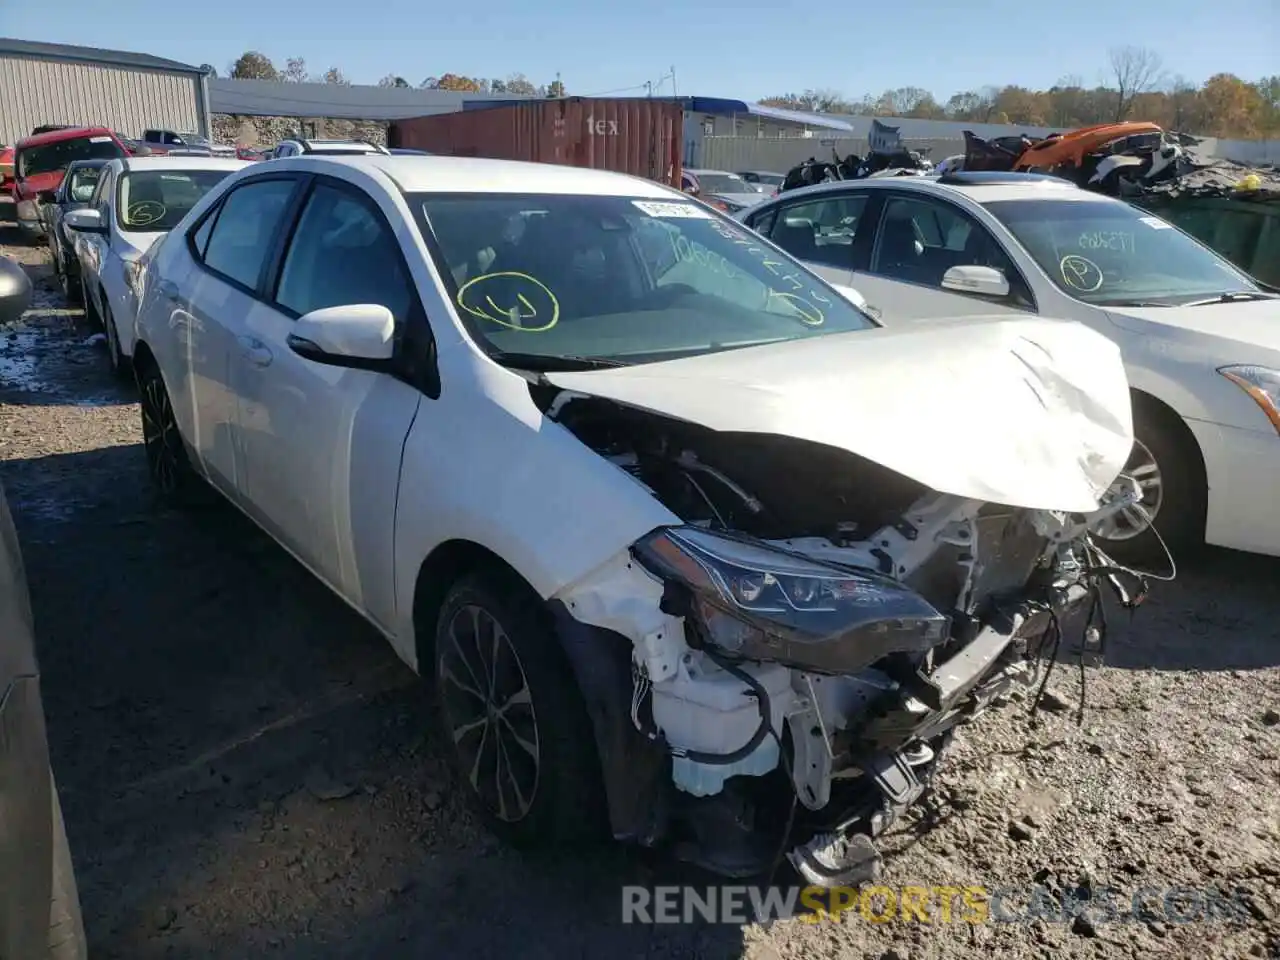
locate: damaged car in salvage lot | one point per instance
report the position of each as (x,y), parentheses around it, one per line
(690,549)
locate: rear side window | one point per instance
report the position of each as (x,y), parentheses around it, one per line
(48,157)
(820,231)
(241,238)
(343,253)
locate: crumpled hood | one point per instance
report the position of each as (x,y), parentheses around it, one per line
(1032,413)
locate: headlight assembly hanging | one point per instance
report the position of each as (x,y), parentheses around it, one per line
(754,602)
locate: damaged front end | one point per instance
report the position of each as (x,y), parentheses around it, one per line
(803,648)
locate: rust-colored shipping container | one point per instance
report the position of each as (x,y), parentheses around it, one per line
(643,137)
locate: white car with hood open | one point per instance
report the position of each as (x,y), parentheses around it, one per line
(685,541)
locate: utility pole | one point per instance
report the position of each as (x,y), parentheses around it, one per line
(648,88)
(675,93)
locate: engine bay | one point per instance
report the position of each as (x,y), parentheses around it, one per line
(827,623)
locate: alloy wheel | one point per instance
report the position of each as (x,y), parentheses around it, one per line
(160,435)
(1131,522)
(489,713)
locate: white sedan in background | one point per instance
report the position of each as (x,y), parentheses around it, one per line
(1200,339)
(137,201)
(640,494)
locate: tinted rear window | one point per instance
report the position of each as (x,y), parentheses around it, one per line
(48,157)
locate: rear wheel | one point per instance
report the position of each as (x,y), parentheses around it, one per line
(512,717)
(120,364)
(1173,495)
(172,475)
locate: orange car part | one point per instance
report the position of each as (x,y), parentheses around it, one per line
(1073,145)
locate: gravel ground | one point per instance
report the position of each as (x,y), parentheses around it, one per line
(246,768)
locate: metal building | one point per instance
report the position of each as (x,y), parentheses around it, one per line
(44,83)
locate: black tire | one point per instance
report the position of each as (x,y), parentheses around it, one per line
(121,365)
(1179,518)
(172,476)
(90,311)
(563,799)
(66,923)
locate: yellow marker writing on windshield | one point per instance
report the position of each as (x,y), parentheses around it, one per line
(806,312)
(534,292)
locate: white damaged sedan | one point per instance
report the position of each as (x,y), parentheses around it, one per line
(691,548)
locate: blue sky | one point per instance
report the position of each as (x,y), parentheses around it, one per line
(717,48)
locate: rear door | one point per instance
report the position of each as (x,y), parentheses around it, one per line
(226,256)
(827,233)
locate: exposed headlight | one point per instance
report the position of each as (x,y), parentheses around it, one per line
(1260,383)
(757,603)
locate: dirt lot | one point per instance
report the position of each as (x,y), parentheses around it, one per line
(246,768)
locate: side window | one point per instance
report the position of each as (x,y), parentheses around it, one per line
(762,223)
(342,253)
(102,191)
(200,239)
(172,139)
(921,238)
(241,239)
(820,231)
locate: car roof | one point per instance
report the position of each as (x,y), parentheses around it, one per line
(181,162)
(70,133)
(1004,188)
(699,171)
(429,174)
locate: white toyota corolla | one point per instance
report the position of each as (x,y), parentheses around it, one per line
(685,541)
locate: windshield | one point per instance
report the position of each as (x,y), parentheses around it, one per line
(154,201)
(1113,254)
(620,279)
(48,157)
(724,183)
(81,183)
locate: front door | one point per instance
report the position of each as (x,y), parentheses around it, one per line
(918,238)
(321,443)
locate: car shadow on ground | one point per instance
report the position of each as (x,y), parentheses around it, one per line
(1222,612)
(245,765)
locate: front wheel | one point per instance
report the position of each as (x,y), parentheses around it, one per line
(1173,496)
(512,717)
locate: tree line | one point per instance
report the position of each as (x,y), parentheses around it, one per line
(1136,88)
(254,65)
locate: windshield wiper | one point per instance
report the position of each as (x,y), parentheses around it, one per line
(1236,296)
(1129,303)
(546,363)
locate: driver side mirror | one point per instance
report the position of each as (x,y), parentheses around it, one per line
(360,336)
(983,281)
(85,221)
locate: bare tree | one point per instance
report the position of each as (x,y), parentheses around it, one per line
(1136,70)
(295,70)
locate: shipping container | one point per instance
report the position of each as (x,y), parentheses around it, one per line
(637,136)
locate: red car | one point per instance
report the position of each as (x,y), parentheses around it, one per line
(40,161)
(6,168)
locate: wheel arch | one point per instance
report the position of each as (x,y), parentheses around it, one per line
(634,769)
(1147,406)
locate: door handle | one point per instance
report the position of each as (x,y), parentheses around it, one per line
(255,351)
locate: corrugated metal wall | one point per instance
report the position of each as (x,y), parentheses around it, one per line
(781,154)
(34,92)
